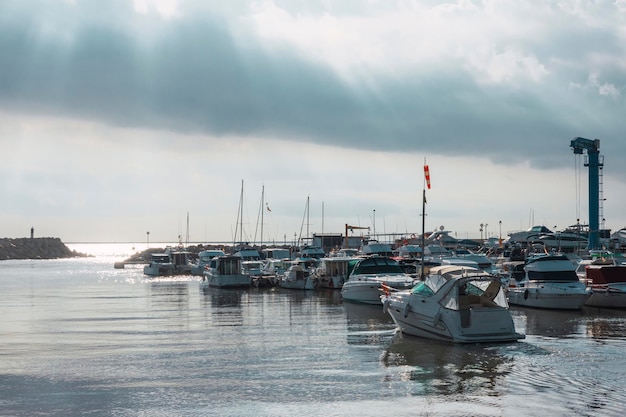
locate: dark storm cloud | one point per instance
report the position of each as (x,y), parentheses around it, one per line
(201,73)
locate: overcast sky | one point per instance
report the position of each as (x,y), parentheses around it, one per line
(119,117)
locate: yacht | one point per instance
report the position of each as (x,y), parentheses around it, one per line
(225,271)
(364,285)
(549,281)
(204,258)
(333,272)
(297,277)
(454,304)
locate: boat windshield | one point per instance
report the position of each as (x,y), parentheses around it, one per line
(430,285)
(561,276)
(482,293)
(422,289)
(378,265)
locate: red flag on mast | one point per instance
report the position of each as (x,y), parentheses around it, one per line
(427,175)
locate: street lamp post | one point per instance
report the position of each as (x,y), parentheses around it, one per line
(148,239)
(500,237)
(481,233)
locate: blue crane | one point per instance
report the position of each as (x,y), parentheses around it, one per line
(593,151)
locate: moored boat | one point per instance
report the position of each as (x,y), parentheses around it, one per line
(297,277)
(204,258)
(365,282)
(225,271)
(608,286)
(332,272)
(454,304)
(160,265)
(549,281)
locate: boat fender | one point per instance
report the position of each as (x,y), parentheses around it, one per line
(526,295)
(385,306)
(407,310)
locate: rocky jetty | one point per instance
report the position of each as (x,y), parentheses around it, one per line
(144,256)
(35,248)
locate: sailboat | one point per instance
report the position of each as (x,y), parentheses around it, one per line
(308,250)
(242,248)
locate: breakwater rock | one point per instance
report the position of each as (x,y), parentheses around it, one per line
(35,248)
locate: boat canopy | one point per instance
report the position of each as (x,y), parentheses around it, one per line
(461,287)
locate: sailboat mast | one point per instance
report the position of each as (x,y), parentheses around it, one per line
(241,214)
(262,212)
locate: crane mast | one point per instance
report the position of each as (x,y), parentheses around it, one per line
(579,145)
(351,228)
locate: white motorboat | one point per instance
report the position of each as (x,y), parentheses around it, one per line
(529,235)
(608,285)
(565,240)
(204,258)
(160,265)
(481,260)
(225,271)
(364,285)
(409,252)
(455,304)
(297,277)
(332,272)
(311,251)
(549,281)
(374,247)
(618,238)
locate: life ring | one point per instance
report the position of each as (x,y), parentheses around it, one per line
(526,295)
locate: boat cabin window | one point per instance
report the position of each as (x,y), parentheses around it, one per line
(381,265)
(561,276)
(227,266)
(161,258)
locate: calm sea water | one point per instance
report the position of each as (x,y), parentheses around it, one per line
(80,338)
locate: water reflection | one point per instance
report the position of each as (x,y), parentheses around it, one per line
(604,323)
(441,368)
(224,305)
(169,293)
(549,323)
(595,322)
(367,324)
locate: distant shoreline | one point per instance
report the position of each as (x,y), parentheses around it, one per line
(36,248)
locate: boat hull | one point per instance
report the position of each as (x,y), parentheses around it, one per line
(542,297)
(226,281)
(162,270)
(607,297)
(608,286)
(298,284)
(368,291)
(472,325)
